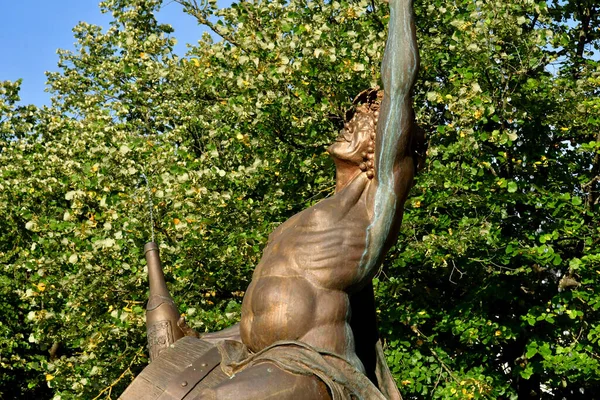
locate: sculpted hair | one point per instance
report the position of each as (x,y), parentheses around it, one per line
(368,102)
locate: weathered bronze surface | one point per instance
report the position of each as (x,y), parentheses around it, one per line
(169,369)
(161,312)
(308,327)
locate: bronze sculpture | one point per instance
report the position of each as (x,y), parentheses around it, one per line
(308,326)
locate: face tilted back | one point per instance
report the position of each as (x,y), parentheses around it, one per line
(356,143)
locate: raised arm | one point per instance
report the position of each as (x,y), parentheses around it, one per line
(394,164)
(401,57)
(398,73)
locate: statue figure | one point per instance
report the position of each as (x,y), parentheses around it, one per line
(308,327)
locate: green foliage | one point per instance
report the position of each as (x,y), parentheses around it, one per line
(492,289)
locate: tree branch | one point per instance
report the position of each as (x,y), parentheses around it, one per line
(586,16)
(195,11)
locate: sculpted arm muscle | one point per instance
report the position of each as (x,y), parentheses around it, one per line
(401,58)
(398,74)
(394,168)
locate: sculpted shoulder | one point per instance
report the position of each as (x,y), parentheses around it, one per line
(349,202)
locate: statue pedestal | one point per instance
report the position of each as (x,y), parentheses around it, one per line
(182,371)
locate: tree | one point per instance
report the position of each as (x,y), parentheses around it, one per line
(503,235)
(491,291)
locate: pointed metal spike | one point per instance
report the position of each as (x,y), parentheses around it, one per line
(161,312)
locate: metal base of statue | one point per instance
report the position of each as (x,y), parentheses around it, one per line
(183,371)
(192,368)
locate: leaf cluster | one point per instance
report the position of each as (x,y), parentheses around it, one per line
(492,288)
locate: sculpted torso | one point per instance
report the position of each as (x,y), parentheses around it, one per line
(317,259)
(299,290)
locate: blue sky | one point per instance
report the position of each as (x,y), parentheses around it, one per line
(32,30)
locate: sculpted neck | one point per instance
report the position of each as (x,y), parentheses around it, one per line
(345,172)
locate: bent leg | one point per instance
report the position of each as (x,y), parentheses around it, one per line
(266,381)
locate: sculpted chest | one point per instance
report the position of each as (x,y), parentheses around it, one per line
(324,244)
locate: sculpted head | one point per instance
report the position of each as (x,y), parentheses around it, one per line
(354,149)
